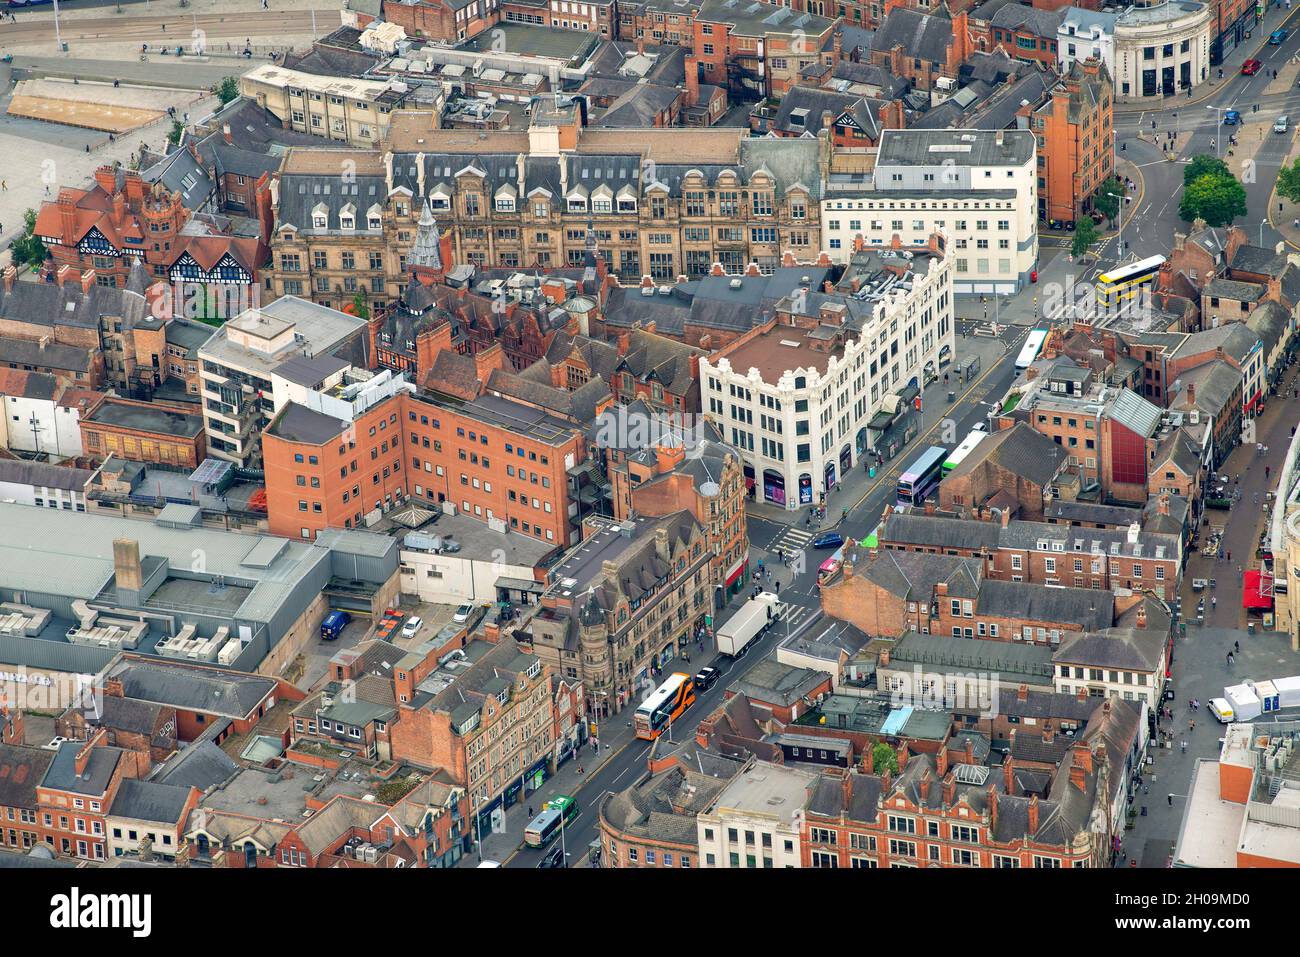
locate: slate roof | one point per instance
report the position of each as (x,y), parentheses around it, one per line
(21,770)
(919,529)
(1052,605)
(201,765)
(827,798)
(53,356)
(912,576)
(1124,649)
(921,36)
(227,693)
(149,801)
(62,772)
(1022,451)
(1215,382)
(42,474)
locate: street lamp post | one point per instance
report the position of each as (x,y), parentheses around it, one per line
(1119,218)
(1218,130)
(58,37)
(1261,231)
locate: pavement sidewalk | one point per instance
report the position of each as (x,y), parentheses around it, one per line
(857,483)
(615,734)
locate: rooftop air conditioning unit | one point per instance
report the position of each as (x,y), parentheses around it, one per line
(735,284)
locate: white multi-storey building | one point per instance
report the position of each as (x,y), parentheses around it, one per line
(977,187)
(800,396)
(756,820)
(1084,34)
(291,341)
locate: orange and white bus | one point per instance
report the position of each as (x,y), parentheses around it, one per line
(663,707)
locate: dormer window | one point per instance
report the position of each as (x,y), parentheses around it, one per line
(505,204)
(346,222)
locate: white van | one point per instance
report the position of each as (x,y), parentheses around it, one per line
(1220,708)
(1280,124)
(489,863)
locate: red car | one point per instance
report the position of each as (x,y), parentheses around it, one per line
(1251,67)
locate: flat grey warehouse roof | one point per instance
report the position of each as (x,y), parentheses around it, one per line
(71,554)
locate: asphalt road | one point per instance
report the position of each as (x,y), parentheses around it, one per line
(630,764)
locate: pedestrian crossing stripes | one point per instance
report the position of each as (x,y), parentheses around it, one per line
(791,540)
(793,614)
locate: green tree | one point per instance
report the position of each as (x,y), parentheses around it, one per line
(178,128)
(1288,182)
(359,307)
(28,248)
(227,90)
(1085,234)
(884,758)
(1107,198)
(1201,165)
(1215,198)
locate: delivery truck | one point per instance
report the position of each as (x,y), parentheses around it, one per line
(748,623)
(1244,701)
(334,624)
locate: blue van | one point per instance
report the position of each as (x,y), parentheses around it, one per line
(334,624)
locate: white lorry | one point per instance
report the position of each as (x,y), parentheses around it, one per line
(736,634)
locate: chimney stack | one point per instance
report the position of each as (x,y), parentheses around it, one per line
(1033,815)
(61,275)
(87,281)
(11,276)
(126,564)
(949,789)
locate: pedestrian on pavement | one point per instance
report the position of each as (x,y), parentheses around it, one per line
(1184,744)
(1214,601)
(1236,646)
(1230,554)
(530,811)
(1171,797)
(579,768)
(1230,659)
(4,185)
(1191,725)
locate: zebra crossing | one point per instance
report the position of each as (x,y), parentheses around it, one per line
(793,614)
(791,540)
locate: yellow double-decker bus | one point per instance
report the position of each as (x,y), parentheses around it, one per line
(1123,283)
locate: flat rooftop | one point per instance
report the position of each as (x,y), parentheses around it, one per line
(768,789)
(780,350)
(585,559)
(1210,827)
(142,418)
(477,541)
(533,41)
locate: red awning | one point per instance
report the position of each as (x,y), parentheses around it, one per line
(735,572)
(1251,582)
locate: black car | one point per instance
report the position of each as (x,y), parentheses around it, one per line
(706,678)
(828,540)
(554,857)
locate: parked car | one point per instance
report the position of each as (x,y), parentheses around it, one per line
(706,678)
(1280,124)
(463,613)
(1231,117)
(412,626)
(554,857)
(1277,38)
(828,540)
(1251,67)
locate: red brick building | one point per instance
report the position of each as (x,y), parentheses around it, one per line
(75,794)
(1075,141)
(491,458)
(144,432)
(927,816)
(123,218)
